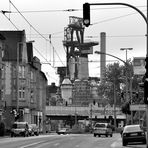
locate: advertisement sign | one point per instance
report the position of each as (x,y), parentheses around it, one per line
(139,65)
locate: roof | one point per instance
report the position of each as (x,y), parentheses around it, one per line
(66,81)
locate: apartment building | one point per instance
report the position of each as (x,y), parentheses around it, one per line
(23,82)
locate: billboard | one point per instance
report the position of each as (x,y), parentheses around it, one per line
(139,65)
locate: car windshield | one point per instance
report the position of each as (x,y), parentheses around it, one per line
(18,126)
(132,128)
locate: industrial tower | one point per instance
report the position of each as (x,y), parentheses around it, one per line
(77,50)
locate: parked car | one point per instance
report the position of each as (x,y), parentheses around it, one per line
(133,134)
(63,131)
(102,129)
(20,129)
(33,130)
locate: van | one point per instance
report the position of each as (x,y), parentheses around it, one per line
(102,129)
(20,129)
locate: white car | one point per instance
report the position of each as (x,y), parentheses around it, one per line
(102,129)
(63,131)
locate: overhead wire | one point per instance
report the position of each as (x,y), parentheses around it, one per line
(72,10)
(4,13)
(68,10)
(118,17)
(18,29)
(54,50)
(33,29)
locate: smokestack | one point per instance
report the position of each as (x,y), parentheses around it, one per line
(102,56)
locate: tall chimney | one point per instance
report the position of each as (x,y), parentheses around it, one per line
(102,56)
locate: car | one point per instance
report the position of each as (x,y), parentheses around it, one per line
(34,130)
(20,129)
(102,129)
(63,131)
(133,134)
(31,131)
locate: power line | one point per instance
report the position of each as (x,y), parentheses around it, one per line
(4,13)
(31,27)
(54,50)
(114,18)
(45,11)
(28,22)
(70,10)
(115,36)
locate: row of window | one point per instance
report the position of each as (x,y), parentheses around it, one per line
(21,72)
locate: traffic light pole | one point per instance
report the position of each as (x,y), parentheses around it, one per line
(87,23)
(146,74)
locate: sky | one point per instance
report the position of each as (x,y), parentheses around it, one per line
(124,27)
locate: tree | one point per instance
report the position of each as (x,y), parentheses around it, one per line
(112,76)
(126,108)
(115,75)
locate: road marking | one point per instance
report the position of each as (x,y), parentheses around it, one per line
(31,144)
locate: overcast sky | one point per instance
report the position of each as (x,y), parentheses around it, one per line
(124,27)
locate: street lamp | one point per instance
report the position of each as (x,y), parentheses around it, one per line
(126,49)
(98,52)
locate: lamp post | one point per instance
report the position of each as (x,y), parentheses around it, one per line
(126,80)
(126,49)
(98,52)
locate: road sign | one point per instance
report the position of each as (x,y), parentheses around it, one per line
(138,107)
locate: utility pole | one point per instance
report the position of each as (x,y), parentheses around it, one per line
(126,49)
(115,124)
(17,76)
(1,48)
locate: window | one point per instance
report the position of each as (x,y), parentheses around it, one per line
(21,71)
(31,96)
(31,75)
(22,93)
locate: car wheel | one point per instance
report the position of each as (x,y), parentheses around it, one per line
(94,135)
(24,134)
(111,135)
(106,135)
(124,143)
(144,141)
(12,135)
(98,135)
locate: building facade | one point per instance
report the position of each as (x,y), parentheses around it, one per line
(23,82)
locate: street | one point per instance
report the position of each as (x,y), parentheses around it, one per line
(65,141)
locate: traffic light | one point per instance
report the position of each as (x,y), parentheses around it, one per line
(146,91)
(86,14)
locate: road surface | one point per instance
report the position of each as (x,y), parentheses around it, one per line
(65,141)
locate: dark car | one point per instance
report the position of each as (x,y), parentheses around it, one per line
(133,134)
(20,129)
